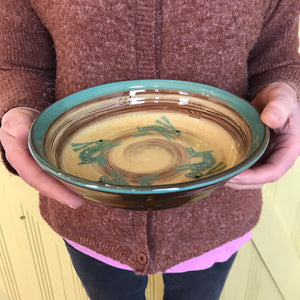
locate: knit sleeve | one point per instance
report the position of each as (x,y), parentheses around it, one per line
(275,56)
(27,58)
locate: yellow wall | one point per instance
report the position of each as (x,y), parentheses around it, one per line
(34,264)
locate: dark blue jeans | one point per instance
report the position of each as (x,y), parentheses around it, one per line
(104,282)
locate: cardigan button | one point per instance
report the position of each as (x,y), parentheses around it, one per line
(142,258)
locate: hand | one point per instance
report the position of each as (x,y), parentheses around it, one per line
(13,136)
(281,112)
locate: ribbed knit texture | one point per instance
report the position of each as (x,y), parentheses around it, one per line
(68,45)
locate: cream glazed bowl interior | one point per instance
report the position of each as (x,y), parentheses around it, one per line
(148,144)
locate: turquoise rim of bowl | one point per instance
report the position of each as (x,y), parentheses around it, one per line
(44,120)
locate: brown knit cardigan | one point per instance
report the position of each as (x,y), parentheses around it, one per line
(52,48)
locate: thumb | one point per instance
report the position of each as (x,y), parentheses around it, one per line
(275,114)
(17,121)
(276,102)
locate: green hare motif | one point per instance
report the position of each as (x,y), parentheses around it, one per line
(197,169)
(164,127)
(90,152)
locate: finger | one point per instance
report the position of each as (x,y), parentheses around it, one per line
(32,174)
(273,169)
(237,186)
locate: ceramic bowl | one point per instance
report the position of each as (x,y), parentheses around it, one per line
(148,144)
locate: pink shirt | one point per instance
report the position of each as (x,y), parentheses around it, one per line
(201,262)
